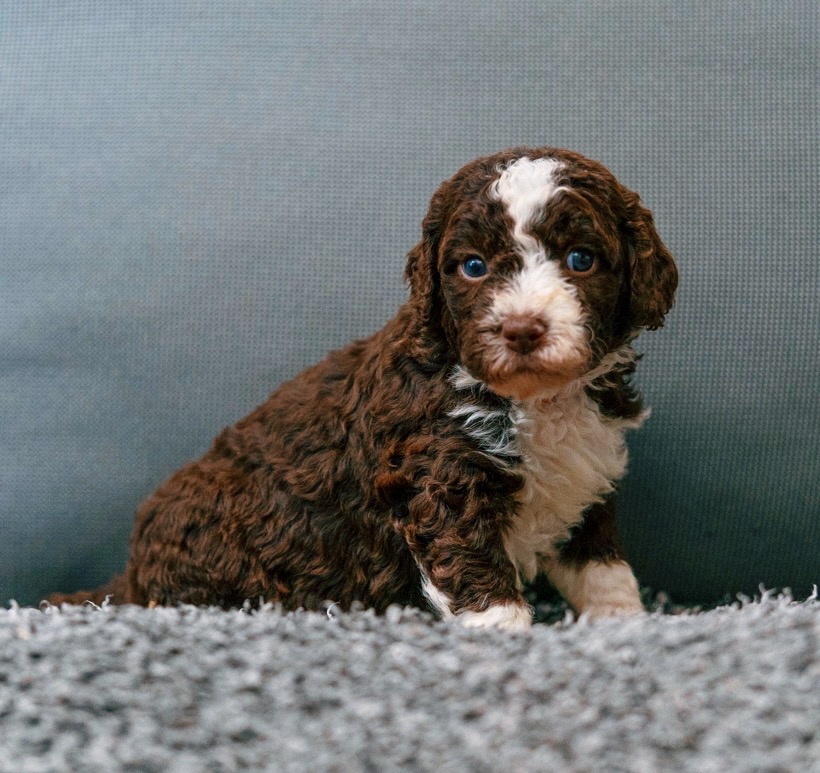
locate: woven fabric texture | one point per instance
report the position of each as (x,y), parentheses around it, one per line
(198,199)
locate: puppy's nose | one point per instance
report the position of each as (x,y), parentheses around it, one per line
(523,334)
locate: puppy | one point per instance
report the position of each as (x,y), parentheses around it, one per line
(470,444)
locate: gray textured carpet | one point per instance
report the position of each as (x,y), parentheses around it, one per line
(733,689)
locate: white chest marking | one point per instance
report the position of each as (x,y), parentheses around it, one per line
(572,457)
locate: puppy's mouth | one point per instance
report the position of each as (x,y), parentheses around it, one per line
(531,379)
(520,359)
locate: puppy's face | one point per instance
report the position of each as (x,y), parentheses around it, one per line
(541,264)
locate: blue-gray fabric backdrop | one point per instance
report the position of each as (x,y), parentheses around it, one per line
(199,198)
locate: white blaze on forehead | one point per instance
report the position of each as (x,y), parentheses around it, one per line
(539,289)
(524,188)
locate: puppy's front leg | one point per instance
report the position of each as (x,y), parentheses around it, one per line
(590,571)
(465,571)
(474,587)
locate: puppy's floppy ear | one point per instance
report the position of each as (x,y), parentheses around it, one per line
(653,274)
(421,272)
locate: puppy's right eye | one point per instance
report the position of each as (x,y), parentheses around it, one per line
(474,267)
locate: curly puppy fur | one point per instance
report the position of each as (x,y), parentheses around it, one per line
(471,443)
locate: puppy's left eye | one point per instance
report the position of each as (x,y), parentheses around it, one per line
(581,262)
(474,267)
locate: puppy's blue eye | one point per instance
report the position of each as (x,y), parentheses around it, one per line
(580,262)
(474,267)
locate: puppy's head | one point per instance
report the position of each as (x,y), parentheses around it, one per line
(534,264)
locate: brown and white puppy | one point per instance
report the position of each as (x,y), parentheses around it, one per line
(471,443)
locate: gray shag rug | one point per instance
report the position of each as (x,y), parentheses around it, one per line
(736,688)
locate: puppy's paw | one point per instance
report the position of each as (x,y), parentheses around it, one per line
(608,590)
(616,608)
(598,588)
(506,617)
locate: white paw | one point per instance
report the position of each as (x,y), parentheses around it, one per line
(506,617)
(616,608)
(598,589)
(609,590)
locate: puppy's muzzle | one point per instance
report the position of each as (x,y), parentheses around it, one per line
(523,334)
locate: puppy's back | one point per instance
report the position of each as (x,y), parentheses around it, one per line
(281,507)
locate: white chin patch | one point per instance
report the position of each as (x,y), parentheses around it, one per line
(505,617)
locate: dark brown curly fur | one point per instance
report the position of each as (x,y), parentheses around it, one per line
(353,477)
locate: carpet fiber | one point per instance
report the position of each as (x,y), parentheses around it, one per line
(733,689)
